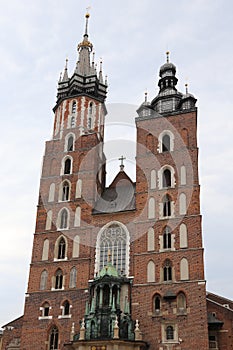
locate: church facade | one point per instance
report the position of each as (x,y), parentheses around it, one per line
(119,267)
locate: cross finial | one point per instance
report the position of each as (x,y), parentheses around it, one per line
(87,17)
(122,164)
(186,88)
(146,96)
(167,53)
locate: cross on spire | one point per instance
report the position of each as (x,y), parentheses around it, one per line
(122,164)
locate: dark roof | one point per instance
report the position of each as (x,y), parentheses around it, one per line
(118,197)
(15,323)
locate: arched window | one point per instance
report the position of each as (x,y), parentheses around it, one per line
(67,166)
(151,208)
(166,178)
(74,106)
(73,277)
(166,144)
(51,192)
(167,238)
(53,339)
(76,243)
(150,239)
(45,309)
(58,279)
(167,271)
(169,333)
(166,205)
(184,269)
(157,303)
(183,204)
(90,116)
(66,308)
(183,236)
(61,249)
(63,219)
(43,280)
(48,223)
(65,191)
(181,302)
(72,121)
(45,251)
(70,143)
(151,272)
(113,244)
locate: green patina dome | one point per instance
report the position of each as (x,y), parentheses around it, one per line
(108,270)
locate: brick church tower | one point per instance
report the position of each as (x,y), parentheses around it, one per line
(117,267)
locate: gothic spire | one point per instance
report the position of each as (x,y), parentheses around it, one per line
(84,49)
(65,74)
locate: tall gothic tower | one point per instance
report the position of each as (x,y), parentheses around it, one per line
(117,267)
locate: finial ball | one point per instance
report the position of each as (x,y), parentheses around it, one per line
(87,15)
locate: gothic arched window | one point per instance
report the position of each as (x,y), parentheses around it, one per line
(74,105)
(166,178)
(167,238)
(169,333)
(70,143)
(67,166)
(53,339)
(61,249)
(65,191)
(166,205)
(73,277)
(43,280)
(113,246)
(167,271)
(166,144)
(66,308)
(63,222)
(58,279)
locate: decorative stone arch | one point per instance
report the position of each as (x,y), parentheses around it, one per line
(78,192)
(66,168)
(182,204)
(76,246)
(51,192)
(151,208)
(121,235)
(49,220)
(183,236)
(68,146)
(61,191)
(56,248)
(73,277)
(161,175)
(77,217)
(161,138)
(156,303)
(153,179)
(45,251)
(53,337)
(151,271)
(150,239)
(184,269)
(43,280)
(183,175)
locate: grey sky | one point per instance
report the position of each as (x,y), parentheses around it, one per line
(132,37)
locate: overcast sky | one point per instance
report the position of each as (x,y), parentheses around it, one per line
(132,37)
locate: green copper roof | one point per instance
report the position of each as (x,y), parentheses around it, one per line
(109,270)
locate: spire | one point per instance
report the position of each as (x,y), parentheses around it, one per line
(186,88)
(65,75)
(167,53)
(84,49)
(101,72)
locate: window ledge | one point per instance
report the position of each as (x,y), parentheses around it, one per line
(57,289)
(64,316)
(56,259)
(45,317)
